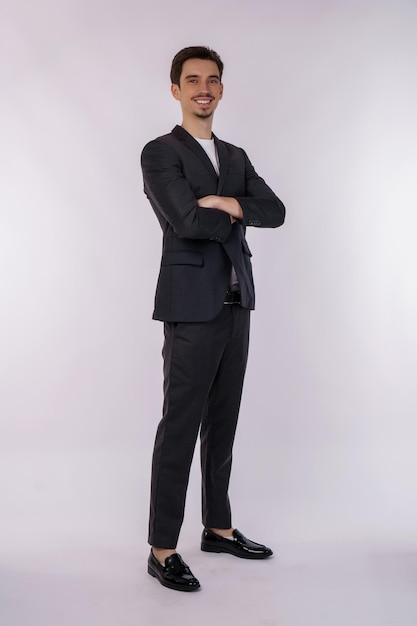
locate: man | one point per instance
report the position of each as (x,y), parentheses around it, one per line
(204,193)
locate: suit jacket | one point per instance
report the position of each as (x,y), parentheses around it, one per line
(200,245)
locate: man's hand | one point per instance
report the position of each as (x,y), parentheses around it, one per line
(222,203)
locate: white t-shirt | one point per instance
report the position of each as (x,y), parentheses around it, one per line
(210,148)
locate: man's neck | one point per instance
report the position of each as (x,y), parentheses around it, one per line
(199,128)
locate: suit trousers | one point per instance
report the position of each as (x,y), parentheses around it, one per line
(204,369)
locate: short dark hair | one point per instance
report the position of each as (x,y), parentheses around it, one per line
(193,52)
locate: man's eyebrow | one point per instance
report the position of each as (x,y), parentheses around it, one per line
(199,76)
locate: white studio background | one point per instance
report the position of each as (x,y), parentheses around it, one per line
(323,96)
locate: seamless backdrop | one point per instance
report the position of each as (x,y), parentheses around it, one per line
(322,95)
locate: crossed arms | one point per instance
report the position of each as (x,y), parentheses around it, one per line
(209,217)
(222,203)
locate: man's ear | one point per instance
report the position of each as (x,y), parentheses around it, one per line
(175,90)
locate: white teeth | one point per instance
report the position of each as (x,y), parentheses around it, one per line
(203,101)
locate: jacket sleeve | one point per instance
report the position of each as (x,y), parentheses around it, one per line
(172,197)
(260,206)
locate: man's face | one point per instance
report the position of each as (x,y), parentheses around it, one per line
(200,88)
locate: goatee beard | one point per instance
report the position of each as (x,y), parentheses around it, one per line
(204,116)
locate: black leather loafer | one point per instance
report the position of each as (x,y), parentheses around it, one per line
(175,574)
(239,546)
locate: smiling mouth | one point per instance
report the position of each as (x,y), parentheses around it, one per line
(202,101)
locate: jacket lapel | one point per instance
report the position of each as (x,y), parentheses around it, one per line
(195,147)
(224,163)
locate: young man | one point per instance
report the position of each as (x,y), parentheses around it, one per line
(204,193)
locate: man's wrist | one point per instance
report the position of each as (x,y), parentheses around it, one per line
(226,204)
(230,205)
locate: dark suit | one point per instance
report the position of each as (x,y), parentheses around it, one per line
(206,342)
